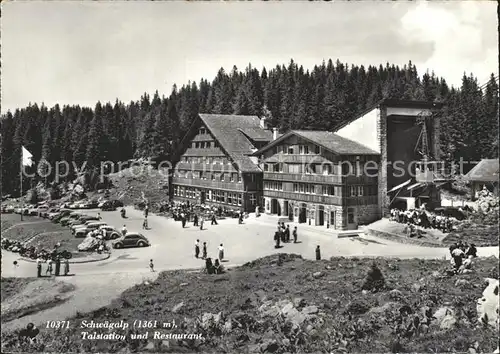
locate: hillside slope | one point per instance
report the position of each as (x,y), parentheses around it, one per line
(286,304)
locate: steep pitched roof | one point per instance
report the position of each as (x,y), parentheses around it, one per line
(327,140)
(257,134)
(228,130)
(485,171)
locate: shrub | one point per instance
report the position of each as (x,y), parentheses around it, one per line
(374,280)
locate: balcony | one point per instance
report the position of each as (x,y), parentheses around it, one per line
(206,167)
(360,180)
(307,198)
(289,158)
(202,183)
(301,177)
(204,152)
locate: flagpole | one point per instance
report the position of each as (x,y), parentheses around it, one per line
(21,183)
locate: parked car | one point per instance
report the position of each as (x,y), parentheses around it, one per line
(82,231)
(57,217)
(92,204)
(83,220)
(110,232)
(7,209)
(41,210)
(73,216)
(111,205)
(51,211)
(32,211)
(133,239)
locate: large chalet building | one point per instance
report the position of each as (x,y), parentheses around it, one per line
(320,178)
(339,179)
(216,166)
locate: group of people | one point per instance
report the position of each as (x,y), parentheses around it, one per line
(210,267)
(198,214)
(422,218)
(462,255)
(282,234)
(204,252)
(100,236)
(50,263)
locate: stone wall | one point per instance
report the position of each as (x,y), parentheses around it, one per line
(402,239)
(383,199)
(368,214)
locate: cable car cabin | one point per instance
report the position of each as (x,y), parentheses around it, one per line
(430,171)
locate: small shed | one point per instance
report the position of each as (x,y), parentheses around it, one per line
(484,174)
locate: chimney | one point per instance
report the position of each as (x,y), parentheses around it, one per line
(275,133)
(263,123)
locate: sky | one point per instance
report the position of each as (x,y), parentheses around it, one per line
(72,52)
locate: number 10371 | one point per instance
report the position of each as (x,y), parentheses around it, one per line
(57,324)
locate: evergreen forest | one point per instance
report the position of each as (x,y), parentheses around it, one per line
(288,95)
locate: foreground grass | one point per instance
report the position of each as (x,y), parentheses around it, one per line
(11,286)
(23,231)
(22,297)
(345,318)
(11,219)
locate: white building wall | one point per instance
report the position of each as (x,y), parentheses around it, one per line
(363,130)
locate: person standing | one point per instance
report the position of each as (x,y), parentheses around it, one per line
(39,267)
(124,230)
(295,235)
(66,266)
(202,221)
(195,220)
(277,238)
(318,253)
(197,249)
(287,233)
(214,220)
(49,267)
(146,211)
(58,266)
(221,252)
(204,250)
(151,265)
(183,219)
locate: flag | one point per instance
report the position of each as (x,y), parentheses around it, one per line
(27,158)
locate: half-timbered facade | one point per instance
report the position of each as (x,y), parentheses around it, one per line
(215,166)
(320,178)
